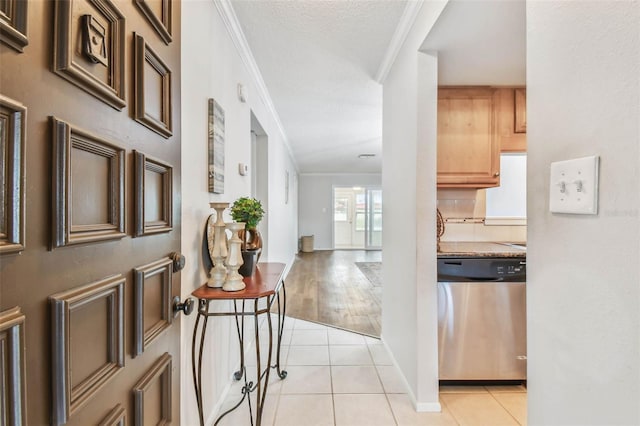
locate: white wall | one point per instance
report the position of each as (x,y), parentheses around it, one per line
(583,283)
(212,68)
(409,303)
(316,203)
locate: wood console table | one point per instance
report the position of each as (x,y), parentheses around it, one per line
(266,284)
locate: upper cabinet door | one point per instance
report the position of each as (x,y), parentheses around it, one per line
(520,111)
(511,119)
(468,152)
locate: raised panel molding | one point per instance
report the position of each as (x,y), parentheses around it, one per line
(146,333)
(165,194)
(144,54)
(520,113)
(160,371)
(68,398)
(116,417)
(162,23)
(65,231)
(13,117)
(110,90)
(12,365)
(13,24)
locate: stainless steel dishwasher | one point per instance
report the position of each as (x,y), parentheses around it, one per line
(482,318)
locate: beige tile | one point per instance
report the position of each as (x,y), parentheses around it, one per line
(380,355)
(372,340)
(515,404)
(391,379)
(341,337)
(288,322)
(308,355)
(241,417)
(286,337)
(264,335)
(309,337)
(463,389)
(355,379)
(250,354)
(350,355)
(474,409)
(406,415)
(362,410)
(308,410)
(308,325)
(307,379)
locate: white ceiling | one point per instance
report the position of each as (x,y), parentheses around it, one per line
(480,42)
(319,59)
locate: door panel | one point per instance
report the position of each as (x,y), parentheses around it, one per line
(74,234)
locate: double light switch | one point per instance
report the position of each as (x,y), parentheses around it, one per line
(574,186)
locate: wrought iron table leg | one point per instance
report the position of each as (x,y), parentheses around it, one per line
(197,368)
(238,374)
(281,317)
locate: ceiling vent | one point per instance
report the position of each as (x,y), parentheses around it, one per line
(366,156)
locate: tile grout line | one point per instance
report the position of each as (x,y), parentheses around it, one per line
(386,396)
(503,407)
(442,403)
(285,365)
(450,411)
(333,399)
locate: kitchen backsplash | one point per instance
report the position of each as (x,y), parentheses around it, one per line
(464,214)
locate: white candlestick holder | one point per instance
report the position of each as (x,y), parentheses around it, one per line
(217,241)
(234,281)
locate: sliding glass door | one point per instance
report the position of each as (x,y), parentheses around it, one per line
(373,235)
(357,218)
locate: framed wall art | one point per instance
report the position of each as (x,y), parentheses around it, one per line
(216,147)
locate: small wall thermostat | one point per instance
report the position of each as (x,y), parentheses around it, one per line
(243,169)
(573,186)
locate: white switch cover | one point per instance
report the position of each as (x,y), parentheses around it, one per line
(574,186)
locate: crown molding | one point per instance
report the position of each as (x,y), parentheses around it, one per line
(399,36)
(230,20)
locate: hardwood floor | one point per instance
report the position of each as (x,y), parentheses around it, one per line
(328,287)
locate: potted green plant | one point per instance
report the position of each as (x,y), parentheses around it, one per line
(249,211)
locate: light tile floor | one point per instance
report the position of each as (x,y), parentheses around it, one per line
(338,378)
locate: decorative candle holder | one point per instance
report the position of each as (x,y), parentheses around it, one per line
(234,259)
(217,242)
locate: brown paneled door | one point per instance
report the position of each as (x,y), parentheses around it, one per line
(89,212)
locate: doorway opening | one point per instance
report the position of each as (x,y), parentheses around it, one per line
(260,175)
(357,218)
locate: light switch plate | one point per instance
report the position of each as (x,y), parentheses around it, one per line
(573,187)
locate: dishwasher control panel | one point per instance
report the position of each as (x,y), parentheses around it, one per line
(482,269)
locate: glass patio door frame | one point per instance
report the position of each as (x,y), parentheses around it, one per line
(370,226)
(353,213)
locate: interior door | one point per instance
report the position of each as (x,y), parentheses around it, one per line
(90,211)
(342,218)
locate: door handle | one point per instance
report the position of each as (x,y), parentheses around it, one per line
(178,261)
(186,307)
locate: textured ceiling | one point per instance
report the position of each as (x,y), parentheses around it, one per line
(480,42)
(318,60)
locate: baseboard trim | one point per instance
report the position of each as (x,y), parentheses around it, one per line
(427,407)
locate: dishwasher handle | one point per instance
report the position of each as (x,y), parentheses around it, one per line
(453,278)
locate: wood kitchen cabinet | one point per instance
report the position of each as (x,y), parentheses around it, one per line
(468,151)
(511,119)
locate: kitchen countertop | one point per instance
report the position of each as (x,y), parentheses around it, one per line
(480,249)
